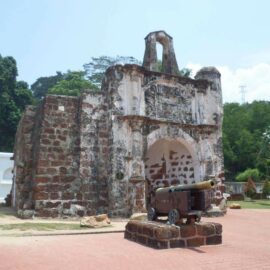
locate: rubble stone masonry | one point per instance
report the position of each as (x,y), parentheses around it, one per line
(161,236)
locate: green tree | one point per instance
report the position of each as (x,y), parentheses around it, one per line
(14,97)
(95,69)
(263,157)
(253,174)
(266,188)
(245,142)
(259,116)
(233,139)
(184,72)
(72,84)
(42,85)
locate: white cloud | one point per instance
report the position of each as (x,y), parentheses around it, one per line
(256,79)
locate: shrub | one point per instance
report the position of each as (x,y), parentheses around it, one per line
(249,173)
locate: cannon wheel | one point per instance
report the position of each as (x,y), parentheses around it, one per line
(151,214)
(173,216)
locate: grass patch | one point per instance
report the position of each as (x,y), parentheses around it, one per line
(255,204)
(6,211)
(41,226)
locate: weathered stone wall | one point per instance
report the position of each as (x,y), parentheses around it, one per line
(23,159)
(126,100)
(61,157)
(55,180)
(94,152)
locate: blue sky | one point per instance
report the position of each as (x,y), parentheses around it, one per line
(46,36)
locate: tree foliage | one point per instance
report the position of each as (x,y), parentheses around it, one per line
(41,86)
(266,187)
(253,174)
(72,83)
(246,138)
(95,69)
(14,97)
(184,72)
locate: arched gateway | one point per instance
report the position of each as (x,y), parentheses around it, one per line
(169,163)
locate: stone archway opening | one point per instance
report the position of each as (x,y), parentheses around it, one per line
(169,63)
(168,162)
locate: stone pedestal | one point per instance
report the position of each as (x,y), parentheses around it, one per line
(162,236)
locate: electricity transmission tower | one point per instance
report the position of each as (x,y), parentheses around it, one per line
(243,92)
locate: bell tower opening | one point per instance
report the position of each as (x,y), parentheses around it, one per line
(159,48)
(151,57)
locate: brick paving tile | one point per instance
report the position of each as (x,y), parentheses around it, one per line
(246,245)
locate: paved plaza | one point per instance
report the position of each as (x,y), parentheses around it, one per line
(246,245)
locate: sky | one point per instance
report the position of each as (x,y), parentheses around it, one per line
(45,36)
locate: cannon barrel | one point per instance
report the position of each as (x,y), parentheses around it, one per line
(196,186)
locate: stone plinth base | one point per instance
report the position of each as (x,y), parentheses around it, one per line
(161,236)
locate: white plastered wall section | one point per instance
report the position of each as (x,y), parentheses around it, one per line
(6,175)
(132,94)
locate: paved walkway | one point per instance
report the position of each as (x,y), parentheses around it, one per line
(246,245)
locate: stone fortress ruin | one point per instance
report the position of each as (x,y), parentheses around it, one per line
(106,151)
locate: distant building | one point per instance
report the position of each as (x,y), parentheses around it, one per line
(6,175)
(239,187)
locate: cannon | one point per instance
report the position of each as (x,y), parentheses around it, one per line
(181,201)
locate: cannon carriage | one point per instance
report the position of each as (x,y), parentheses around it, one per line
(181,201)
